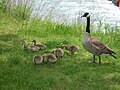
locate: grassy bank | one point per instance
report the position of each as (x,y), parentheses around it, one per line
(18,72)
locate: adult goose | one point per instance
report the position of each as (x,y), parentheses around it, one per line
(93,45)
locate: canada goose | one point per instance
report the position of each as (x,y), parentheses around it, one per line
(58,52)
(29,47)
(49,57)
(93,45)
(41,46)
(71,48)
(38,59)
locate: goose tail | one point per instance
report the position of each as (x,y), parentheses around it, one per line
(113,52)
(113,56)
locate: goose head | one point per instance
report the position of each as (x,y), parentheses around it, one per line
(86,15)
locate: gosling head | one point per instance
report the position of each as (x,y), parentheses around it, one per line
(63,46)
(86,15)
(23,42)
(34,41)
(44,56)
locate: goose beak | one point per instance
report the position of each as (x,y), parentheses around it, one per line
(82,16)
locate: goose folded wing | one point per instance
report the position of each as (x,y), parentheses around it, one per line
(101,46)
(97,43)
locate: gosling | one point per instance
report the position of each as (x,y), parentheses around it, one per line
(71,48)
(38,59)
(41,46)
(49,58)
(29,47)
(58,52)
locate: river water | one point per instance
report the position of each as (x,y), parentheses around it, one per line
(69,11)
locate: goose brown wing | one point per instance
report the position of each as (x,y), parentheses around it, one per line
(97,43)
(104,49)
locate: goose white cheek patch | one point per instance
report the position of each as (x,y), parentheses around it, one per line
(88,15)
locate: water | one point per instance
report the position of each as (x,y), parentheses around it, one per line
(69,11)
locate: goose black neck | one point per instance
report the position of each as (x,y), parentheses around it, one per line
(88,25)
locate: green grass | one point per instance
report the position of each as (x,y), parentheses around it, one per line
(18,72)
